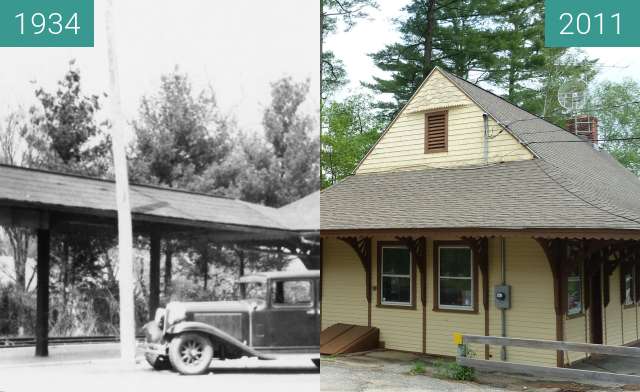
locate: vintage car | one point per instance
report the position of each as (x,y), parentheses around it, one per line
(278,313)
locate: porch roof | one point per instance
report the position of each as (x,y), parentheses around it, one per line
(71,194)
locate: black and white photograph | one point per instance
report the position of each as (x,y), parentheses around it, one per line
(159,200)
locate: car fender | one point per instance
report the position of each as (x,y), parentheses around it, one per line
(216,333)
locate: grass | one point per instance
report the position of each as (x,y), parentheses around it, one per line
(418,367)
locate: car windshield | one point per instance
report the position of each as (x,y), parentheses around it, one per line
(253,290)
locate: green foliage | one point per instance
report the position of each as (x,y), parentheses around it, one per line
(615,104)
(17,311)
(456,35)
(179,134)
(64,134)
(453,371)
(418,367)
(350,128)
(335,14)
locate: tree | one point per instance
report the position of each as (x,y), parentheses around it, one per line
(615,104)
(179,134)
(13,151)
(349,129)
(560,66)
(332,14)
(64,134)
(295,146)
(455,35)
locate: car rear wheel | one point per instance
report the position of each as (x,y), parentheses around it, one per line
(190,353)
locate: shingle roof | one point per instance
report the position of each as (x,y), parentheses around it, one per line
(55,191)
(568,185)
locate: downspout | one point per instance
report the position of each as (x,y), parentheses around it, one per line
(503,312)
(485,139)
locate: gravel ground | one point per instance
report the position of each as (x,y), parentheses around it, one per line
(351,374)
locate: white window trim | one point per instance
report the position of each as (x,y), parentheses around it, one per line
(472,278)
(382,275)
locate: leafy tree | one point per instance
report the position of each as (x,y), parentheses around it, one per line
(64,134)
(560,66)
(615,104)
(295,145)
(13,151)
(179,134)
(332,14)
(349,129)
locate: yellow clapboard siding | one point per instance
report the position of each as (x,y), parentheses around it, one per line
(575,332)
(402,145)
(629,321)
(343,285)
(532,312)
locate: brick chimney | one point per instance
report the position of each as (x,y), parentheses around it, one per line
(584,126)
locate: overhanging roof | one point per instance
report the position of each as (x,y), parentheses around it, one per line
(63,193)
(569,185)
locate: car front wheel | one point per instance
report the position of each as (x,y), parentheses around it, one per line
(190,353)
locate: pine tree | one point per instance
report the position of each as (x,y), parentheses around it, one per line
(455,35)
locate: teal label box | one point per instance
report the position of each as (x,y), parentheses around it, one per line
(592,23)
(46,23)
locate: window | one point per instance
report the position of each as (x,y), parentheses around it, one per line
(628,286)
(574,290)
(291,292)
(435,132)
(396,276)
(455,278)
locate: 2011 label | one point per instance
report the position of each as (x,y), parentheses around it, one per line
(582,23)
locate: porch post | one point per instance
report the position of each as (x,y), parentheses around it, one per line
(168,267)
(42,295)
(555,250)
(154,273)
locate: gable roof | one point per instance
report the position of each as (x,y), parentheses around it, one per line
(51,191)
(568,185)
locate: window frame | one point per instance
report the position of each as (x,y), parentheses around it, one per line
(275,305)
(428,150)
(581,313)
(412,285)
(437,307)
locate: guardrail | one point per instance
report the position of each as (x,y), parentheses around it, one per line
(543,371)
(31,341)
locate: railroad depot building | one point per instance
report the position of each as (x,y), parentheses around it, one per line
(466,196)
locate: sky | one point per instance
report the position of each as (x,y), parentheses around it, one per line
(236,47)
(372,34)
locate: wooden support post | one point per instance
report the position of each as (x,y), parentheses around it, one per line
(168,269)
(555,250)
(42,300)
(154,273)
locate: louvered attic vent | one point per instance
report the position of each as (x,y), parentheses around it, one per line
(435,132)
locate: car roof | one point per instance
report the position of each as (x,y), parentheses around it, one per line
(264,276)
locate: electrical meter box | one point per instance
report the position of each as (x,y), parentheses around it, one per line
(502,296)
